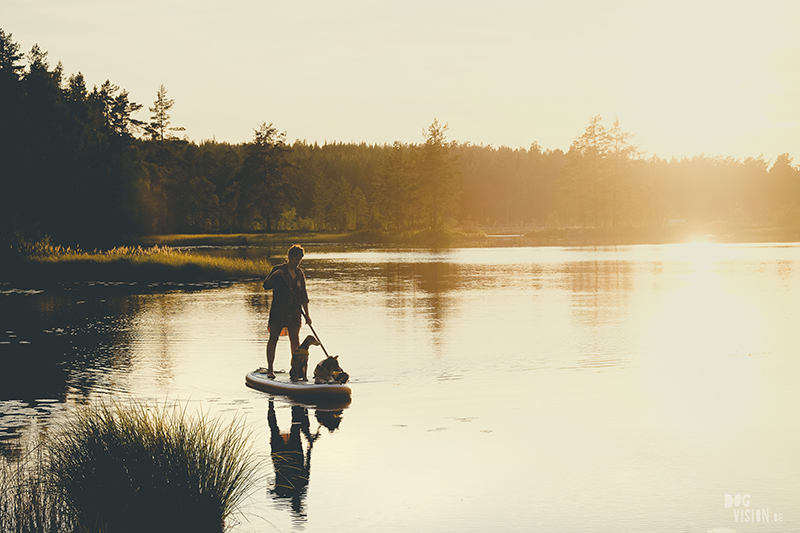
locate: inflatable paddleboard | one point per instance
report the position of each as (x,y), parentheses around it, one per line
(327,392)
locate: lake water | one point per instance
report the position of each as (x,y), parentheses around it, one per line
(643,388)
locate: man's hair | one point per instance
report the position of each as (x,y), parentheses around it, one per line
(296,250)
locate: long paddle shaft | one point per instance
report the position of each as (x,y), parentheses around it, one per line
(314,332)
(308,322)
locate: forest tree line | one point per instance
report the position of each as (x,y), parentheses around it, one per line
(79,167)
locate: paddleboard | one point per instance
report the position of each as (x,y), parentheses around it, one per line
(298,389)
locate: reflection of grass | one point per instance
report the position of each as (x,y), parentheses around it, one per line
(116,468)
(159,263)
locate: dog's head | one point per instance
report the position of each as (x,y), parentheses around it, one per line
(331,363)
(309,341)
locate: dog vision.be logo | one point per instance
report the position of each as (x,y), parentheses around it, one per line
(742,513)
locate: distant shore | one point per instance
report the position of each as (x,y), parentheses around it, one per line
(163,258)
(498,235)
(674,234)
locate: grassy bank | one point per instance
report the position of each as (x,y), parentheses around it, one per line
(131,264)
(442,237)
(285,239)
(130,468)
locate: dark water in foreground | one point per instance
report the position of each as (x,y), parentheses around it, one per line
(519,389)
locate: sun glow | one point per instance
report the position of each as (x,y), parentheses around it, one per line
(701,341)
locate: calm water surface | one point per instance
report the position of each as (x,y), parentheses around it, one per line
(496,389)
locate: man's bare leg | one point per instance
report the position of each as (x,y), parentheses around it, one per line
(272,343)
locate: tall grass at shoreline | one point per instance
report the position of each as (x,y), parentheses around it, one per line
(132,263)
(27,502)
(115,468)
(279,240)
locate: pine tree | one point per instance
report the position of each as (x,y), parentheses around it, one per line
(588,156)
(159,128)
(394,186)
(620,154)
(264,185)
(439,181)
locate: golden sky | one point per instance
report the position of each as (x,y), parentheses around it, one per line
(687,77)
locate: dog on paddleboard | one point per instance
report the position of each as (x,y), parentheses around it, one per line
(329,371)
(299,369)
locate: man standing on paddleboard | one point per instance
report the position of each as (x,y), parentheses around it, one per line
(288,284)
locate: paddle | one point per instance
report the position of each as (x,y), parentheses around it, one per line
(302,312)
(312,330)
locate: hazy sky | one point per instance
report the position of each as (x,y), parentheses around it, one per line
(687,77)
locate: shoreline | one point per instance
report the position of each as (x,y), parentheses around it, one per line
(166,262)
(517,235)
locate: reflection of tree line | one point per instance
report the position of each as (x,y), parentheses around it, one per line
(57,340)
(77,331)
(605,279)
(600,292)
(292,464)
(403,281)
(599,289)
(62,341)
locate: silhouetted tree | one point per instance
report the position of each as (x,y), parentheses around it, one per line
(333,204)
(264,184)
(586,192)
(396,187)
(784,181)
(13,224)
(122,123)
(438,179)
(159,128)
(620,155)
(360,209)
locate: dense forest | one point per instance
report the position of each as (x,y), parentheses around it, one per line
(78,167)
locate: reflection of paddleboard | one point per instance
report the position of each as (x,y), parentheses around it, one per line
(299,389)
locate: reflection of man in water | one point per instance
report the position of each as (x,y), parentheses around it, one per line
(292,466)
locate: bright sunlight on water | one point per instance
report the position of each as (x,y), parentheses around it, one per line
(644,388)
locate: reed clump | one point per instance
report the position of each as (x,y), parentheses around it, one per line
(132,468)
(125,468)
(27,502)
(133,263)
